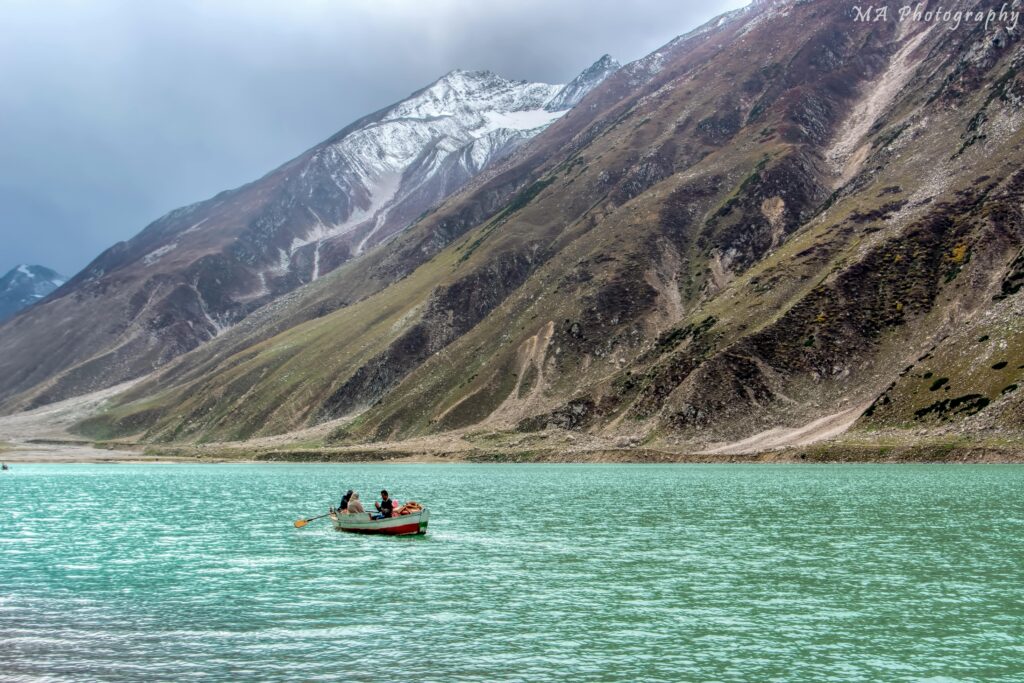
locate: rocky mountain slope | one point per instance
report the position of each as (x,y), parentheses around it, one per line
(26,285)
(194,273)
(784,218)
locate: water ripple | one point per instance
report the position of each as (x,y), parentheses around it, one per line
(529,573)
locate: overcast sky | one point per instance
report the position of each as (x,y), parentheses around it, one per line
(113,112)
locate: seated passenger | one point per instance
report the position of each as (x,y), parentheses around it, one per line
(354,506)
(386,506)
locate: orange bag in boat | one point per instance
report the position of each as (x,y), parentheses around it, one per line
(410,507)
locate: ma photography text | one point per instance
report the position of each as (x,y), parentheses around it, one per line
(953,18)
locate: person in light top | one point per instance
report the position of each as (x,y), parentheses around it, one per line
(355,507)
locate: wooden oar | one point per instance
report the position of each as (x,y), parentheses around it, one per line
(303,522)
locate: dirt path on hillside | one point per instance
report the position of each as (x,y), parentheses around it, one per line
(822,429)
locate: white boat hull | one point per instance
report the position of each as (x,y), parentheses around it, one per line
(402,525)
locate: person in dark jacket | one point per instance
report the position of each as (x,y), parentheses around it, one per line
(386,506)
(344,501)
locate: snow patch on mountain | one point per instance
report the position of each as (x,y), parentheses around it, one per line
(517,120)
(195,226)
(158,253)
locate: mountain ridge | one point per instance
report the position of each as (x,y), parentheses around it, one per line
(192,274)
(784,218)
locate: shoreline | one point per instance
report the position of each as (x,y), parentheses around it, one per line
(47,435)
(54,451)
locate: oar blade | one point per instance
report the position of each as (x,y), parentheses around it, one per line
(301,523)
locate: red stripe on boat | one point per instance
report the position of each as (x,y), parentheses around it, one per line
(391,531)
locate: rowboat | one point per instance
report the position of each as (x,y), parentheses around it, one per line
(401,525)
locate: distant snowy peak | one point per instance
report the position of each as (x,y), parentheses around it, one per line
(24,285)
(570,95)
(389,166)
(460,107)
(463,106)
(32,277)
(460,91)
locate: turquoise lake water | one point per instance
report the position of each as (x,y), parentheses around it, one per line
(528,572)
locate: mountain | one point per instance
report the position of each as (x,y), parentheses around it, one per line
(25,285)
(191,275)
(785,225)
(576,90)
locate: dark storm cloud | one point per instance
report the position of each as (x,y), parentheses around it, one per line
(113,112)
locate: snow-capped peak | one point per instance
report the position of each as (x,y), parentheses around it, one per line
(461,94)
(23,272)
(474,117)
(574,91)
(24,285)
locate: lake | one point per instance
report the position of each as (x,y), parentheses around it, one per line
(528,572)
